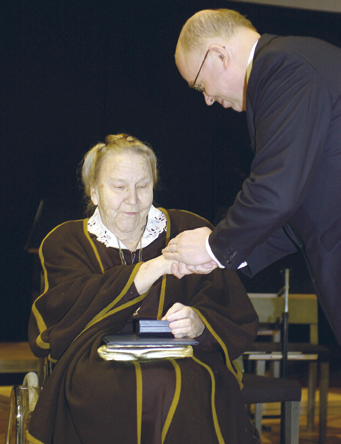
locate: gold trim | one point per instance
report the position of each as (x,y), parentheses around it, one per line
(54,361)
(87,235)
(105,310)
(41,344)
(32,439)
(162,297)
(139,397)
(238,375)
(214,412)
(175,401)
(165,212)
(38,317)
(115,310)
(194,214)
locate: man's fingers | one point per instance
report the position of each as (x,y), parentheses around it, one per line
(211,264)
(170,249)
(184,269)
(171,255)
(172,246)
(176,271)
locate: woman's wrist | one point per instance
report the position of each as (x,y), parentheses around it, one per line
(151,271)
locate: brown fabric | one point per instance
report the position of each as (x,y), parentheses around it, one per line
(158,387)
(88,400)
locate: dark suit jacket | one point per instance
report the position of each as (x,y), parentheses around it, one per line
(292,198)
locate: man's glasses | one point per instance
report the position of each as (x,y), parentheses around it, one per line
(196,78)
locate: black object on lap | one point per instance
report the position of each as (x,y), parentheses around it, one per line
(138,341)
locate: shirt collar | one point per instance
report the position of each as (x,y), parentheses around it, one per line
(250,62)
(156,224)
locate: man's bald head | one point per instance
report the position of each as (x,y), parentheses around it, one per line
(210,24)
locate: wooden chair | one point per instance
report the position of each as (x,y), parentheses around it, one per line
(303,310)
(260,389)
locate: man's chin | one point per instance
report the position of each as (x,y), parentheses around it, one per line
(234,106)
(237,108)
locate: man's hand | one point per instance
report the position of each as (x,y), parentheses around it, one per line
(189,247)
(179,269)
(184,321)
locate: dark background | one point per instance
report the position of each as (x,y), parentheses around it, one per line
(74,71)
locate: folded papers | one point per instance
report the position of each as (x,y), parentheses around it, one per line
(132,347)
(131,353)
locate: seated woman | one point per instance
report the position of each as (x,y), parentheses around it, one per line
(100,274)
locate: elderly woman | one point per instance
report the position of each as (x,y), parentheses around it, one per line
(100,274)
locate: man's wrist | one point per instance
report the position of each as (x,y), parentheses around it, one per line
(210,252)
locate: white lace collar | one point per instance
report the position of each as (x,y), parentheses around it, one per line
(157,224)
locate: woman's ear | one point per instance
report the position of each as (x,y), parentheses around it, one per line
(93,195)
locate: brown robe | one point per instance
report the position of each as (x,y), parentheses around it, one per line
(89,294)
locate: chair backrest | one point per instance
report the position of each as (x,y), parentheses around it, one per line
(303,309)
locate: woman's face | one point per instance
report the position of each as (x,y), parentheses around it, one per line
(124,194)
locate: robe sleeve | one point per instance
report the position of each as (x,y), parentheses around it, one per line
(77,291)
(227,312)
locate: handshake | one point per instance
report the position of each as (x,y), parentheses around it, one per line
(190,251)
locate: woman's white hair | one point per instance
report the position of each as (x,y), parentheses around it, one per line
(114,144)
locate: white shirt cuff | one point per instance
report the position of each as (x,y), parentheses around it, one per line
(210,252)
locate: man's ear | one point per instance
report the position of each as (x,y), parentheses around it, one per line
(221,52)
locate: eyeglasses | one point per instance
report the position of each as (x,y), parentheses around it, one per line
(198,88)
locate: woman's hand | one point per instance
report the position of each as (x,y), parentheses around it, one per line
(150,271)
(184,321)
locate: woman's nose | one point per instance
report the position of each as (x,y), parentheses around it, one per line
(208,99)
(132,198)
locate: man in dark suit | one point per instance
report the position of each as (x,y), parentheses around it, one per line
(290,88)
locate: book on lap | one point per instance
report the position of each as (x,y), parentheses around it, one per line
(115,341)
